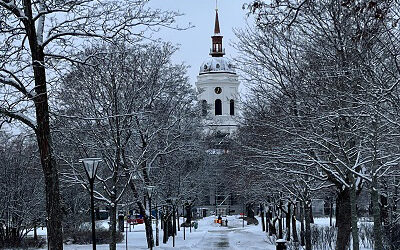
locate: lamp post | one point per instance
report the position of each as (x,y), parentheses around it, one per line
(90,166)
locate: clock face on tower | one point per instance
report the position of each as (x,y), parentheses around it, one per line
(218,90)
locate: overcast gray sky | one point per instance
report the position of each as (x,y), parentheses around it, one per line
(195,43)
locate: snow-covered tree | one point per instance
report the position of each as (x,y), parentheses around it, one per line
(325,77)
(37,39)
(134,108)
(21,190)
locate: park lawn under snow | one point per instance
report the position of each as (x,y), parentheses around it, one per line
(208,236)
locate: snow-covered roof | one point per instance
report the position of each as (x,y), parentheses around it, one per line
(217,65)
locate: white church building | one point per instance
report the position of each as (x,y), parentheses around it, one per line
(218,88)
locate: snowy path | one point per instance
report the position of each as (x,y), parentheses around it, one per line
(215,239)
(234,237)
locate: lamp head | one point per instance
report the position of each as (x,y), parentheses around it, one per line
(150,190)
(90,165)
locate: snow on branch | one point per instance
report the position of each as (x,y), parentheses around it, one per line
(11,6)
(95,118)
(75,34)
(15,82)
(20,117)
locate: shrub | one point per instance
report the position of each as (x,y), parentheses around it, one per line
(26,243)
(392,236)
(251,221)
(323,237)
(31,243)
(366,235)
(83,237)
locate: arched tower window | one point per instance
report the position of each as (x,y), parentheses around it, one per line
(232,107)
(218,107)
(204,108)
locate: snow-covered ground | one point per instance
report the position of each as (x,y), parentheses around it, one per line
(208,236)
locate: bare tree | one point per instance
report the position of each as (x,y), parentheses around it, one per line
(319,69)
(139,110)
(37,37)
(21,190)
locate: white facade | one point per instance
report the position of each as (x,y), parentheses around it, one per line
(228,93)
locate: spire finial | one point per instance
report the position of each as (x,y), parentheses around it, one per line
(216,5)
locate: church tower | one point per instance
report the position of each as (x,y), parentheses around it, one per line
(218,86)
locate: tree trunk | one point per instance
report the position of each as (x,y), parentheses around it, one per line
(35,236)
(2,234)
(262,217)
(294,226)
(142,211)
(354,217)
(267,220)
(149,232)
(330,213)
(113,227)
(343,219)
(307,210)
(302,229)
(272,230)
(43,135)
(280,225)
(170,226)
(250,210)
(165,225)
(377,216)
(395,241)
(53,204)
(311,214)
(177,215)
(148,226)
(288,216)
(384,210)
(165,234)
(157,229)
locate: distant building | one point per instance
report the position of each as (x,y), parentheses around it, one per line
(218,88)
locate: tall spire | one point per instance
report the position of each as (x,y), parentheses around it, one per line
(217,50)
(216,27)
